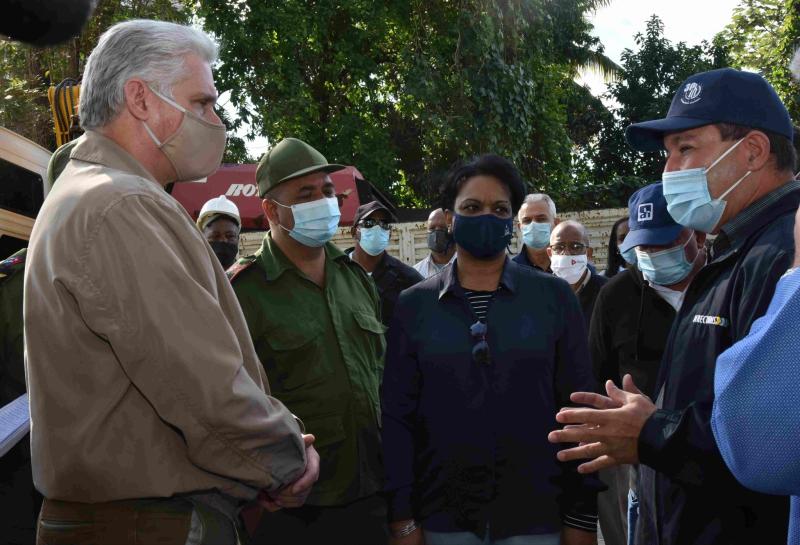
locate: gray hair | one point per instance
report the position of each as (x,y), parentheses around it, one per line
(154,51)
(537,197)
(795,65)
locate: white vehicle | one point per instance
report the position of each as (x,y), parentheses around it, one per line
(23,165)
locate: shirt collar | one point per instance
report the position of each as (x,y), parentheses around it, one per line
(736,231)
(432,262)
(586,277)
(448,279)
(525,260)
(275,262)
(94,147)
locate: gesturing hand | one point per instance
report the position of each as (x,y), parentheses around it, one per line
(608,435)
(296,493)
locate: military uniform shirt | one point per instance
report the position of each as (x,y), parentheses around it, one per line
(12,367)
(322,349)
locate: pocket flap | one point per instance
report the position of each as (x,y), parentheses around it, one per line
(369,322)
(286,338)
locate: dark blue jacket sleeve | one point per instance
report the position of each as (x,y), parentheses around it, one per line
(757,387)
(680,443)
(400,392)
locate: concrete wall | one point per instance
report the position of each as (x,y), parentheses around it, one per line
(408,240)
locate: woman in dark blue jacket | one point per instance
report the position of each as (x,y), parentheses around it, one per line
(479,360)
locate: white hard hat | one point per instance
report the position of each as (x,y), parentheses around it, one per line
(216,207)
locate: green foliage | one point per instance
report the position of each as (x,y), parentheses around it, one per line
(404,88)
(27,72)
(607,170)
(763,36)
(235,149)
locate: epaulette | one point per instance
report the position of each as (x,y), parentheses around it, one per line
(13,264)
(240,266)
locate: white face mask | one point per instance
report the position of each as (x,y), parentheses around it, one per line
(569,267)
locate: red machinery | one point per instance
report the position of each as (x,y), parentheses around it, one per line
(238,183)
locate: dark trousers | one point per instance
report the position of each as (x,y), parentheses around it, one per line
(19,500)
(362,522)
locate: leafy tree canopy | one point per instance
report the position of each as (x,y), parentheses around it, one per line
(762,36)
(27,72)
(607,170)
(403,88)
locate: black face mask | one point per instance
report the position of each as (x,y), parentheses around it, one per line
(439,241)
(225,251)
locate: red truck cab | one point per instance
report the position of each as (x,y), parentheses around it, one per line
(238,183)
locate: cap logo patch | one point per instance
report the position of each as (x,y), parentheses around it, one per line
(645,212)
(691,93)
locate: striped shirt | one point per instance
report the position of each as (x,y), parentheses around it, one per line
(479,301)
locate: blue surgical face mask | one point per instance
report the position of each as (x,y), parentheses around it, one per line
(666,267)
(315,222)
(536,235)
(688,200)
(374,240)
(482,236)
(629,255)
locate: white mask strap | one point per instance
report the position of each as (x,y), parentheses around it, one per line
(721,157)
(279,223)
(152,135)
(281,204)
(731,188)
(168,100)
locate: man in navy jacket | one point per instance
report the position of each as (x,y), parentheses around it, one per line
(729,171)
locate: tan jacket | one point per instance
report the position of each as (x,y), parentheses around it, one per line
(142,376)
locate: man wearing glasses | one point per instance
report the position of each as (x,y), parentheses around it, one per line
(372,229)
(570,253)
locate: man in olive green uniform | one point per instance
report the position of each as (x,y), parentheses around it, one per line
(314,316)
(17,493)
(18,497)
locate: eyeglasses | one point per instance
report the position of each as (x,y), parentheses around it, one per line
(568,248)
(480,352)
(369,223)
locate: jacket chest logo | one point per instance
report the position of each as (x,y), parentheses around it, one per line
(711,320)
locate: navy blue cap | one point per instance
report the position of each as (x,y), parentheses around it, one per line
(649,221)
(718,96)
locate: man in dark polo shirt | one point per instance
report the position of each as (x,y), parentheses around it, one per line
(314,316)
(729,172)
(372,229)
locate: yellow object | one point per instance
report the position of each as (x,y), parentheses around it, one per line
(64,99)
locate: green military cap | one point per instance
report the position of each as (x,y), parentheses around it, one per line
(58,162)
(289,159)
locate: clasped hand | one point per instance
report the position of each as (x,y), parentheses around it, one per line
(607,434)
(296,493)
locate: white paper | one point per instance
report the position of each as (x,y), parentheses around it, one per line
(15,423)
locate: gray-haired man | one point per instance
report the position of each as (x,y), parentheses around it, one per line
(537,218)
(151,421)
